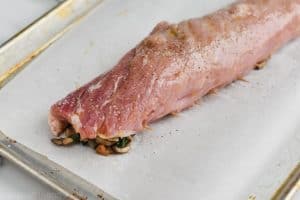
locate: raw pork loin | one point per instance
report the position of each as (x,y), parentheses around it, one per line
(175,66)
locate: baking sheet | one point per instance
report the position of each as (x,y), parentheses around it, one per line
(239,143)
(17,185)
(26,10)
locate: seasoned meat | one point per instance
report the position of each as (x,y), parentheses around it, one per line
(176,65)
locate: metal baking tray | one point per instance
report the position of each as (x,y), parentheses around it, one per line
(240,143)
(28,11)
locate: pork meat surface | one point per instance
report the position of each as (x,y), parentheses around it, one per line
(176,65)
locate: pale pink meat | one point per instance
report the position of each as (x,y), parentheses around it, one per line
(176,65)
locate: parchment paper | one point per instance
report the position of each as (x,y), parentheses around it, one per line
(240,142)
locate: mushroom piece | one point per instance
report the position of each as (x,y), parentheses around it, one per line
(66,141)
(57,141)
(106,142)
(121,150)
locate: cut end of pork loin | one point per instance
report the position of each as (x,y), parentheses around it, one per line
(59,123)
(57,126)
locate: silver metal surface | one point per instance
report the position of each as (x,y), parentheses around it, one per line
(1,160)
(54,175)
(17,184)
(290,187)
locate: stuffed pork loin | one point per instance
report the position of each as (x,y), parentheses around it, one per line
(174,66)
